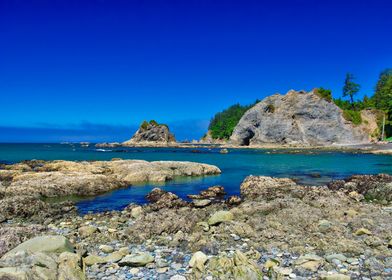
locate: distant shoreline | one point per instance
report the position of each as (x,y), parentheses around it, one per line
(374,148)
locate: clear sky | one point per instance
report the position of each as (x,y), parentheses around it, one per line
(93,70)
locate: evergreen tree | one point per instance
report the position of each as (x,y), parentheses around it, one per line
(350,88)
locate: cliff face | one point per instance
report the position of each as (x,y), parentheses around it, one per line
(296,118)
(152,132)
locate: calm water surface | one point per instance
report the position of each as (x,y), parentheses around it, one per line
(312,168)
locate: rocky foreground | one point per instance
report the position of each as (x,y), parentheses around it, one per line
(275,230)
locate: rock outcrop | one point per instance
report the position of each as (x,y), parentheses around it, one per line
(25,183)
(297,118)
(152,132)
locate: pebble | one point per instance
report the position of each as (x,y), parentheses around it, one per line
(134,270)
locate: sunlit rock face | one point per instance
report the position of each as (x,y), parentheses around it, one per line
(297,117)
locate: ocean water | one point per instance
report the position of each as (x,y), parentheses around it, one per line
(307,167)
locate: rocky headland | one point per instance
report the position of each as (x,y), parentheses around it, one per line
(301,118)
(276,229)
(151,133)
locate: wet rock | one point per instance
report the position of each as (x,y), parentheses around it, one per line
(220,217)
(233,200)
(211,192)
(162,199)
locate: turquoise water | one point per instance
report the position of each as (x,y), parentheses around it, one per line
(308,167)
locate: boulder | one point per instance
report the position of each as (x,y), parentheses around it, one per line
(299,118)
(198,260)
(70,267)
(233,200)
(136,212)
(238,267)
(310,262)
(211,192)
(263,186)
(163,199)
(48,244)
(220,217)
(86,231)
(140,259)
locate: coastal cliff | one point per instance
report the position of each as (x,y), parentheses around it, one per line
(152,132)
(299,118)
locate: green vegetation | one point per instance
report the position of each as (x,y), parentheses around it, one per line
(381,101)
(223,123)
(145,124)
(154,123)
(353,116)
(324,93)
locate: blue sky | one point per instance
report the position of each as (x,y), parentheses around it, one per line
(93,70)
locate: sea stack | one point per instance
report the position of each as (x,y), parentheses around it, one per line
(298,118)
(152,132)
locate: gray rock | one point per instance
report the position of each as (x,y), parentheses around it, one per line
(298,117)
(48,244)
(70,267)
(339,257)
(140,259)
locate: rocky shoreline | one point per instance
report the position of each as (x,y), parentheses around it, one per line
(30,182)
(275,230)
